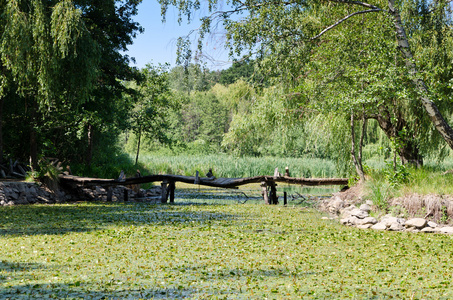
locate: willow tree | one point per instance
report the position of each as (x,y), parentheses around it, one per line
(66,60)
(285,34)
(50,55)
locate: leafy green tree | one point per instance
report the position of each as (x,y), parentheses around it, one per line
(151,105)
(351,77)
(241,69)
(267,128)
(36,45)
(112,27)
(62,68)
(283,35)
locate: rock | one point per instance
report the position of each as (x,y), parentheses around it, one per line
(365,207)
(21,188)
(369,202)
(395,226)
(379,226)
(352,220)
(446,229)
(416,222)
(44,200)
(359,213)
(32,191)
(335,206)
(22,199)
(31,199)
(346,212)
(13,195)
(366,221)
(432,224)
(428,229)
(364,226)
(389,219)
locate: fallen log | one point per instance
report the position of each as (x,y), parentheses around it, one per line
(219,182)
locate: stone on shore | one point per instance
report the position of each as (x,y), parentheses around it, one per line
(418,223)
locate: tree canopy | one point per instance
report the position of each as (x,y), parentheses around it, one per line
(383,60)
(61,64)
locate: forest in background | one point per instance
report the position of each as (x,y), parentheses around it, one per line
(347,94)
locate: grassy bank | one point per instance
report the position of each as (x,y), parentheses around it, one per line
(98,250)
(230,166)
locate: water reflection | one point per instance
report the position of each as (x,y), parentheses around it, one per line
(251,193)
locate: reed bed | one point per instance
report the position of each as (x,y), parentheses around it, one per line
(236,167)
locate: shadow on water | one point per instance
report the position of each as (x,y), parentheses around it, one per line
(11,267)
(79,290)
(112,289)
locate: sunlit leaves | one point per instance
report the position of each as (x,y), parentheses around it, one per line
(34,47)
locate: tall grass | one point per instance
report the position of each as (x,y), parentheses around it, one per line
(430,179)
(234,167)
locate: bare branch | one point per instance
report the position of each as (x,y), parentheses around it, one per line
(364,4)
(344,19)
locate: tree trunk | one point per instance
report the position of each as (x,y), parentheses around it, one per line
(138,143)
(407,149)
(410,154)
(34,138)
(357,159)
(431,108)
(1,130)
(89,154)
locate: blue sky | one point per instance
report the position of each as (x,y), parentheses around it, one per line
(158,43)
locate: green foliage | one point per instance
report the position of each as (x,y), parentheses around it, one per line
(151,101)
(196,123)
(340,59)
(98,250)
(61,68)
(444,218)
(266,127)
(193,77)
(397,174)
(380,193)
(242,69)
(108,166)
